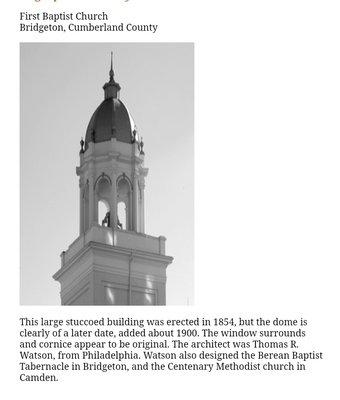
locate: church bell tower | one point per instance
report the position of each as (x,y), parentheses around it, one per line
(113,261)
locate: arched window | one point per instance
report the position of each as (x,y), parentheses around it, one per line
(103,193)
(103,216)
(124,203)
(121,214)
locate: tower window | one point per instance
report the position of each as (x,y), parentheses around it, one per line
(103,213)
(103,187)
(103,192)
(124,203)
(121,215)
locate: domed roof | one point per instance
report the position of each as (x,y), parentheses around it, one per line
(111,119)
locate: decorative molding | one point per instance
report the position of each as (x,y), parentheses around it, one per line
(103,176)
(124,176)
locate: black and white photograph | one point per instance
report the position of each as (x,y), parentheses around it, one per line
(107,174)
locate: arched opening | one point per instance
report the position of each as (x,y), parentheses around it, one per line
(124,203)
(103,192)
(103,187)
(103,213)
(121,215)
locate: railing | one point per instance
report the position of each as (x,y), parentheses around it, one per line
(139,241)
(120,238)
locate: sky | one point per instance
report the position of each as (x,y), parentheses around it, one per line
(61,86)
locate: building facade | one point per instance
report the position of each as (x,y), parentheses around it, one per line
(113,261)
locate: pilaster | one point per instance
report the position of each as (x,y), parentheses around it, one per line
(81,206)
(91,195)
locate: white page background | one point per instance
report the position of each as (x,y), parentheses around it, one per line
(266,177)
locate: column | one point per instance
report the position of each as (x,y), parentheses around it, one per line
(135,204)
(142,208)
(81,208)
(113,201)
(91,198)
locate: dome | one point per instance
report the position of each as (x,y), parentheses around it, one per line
(111,119)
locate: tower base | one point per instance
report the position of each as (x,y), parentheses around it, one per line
(104,274)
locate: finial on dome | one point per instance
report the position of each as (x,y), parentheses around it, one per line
(111,88)
(82,146)
(141,147)
(134,136)
(111,69)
